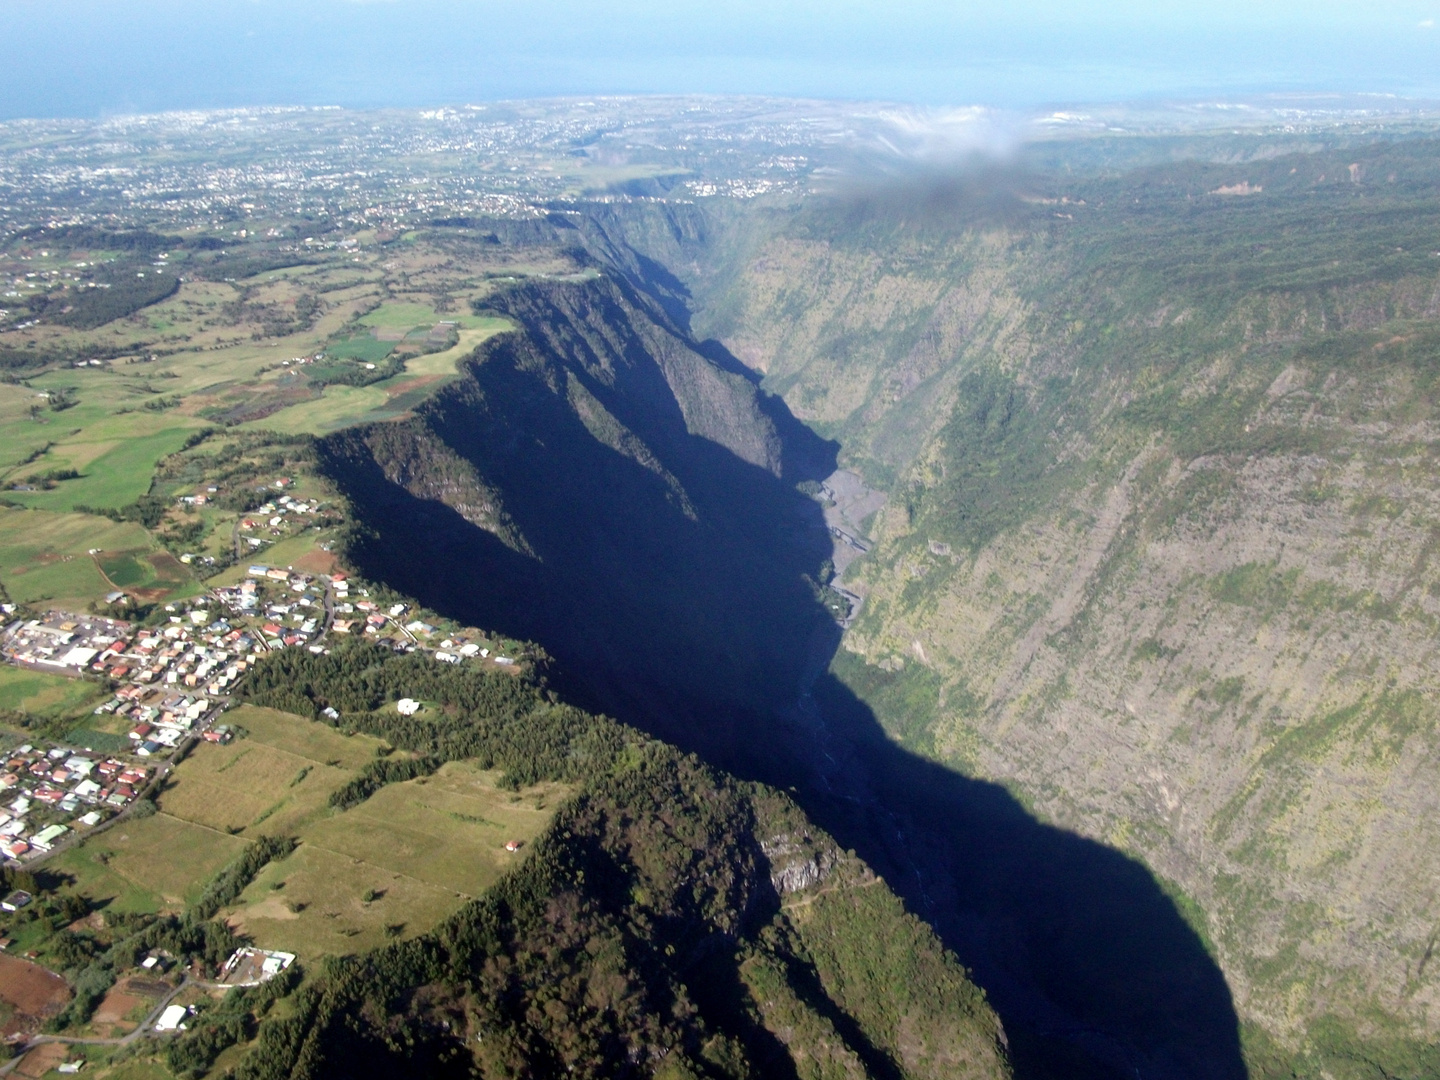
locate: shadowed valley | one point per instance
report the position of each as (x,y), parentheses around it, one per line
(598,485)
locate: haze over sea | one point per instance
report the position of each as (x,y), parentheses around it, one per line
(96,57)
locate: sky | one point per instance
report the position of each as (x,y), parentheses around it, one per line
(91,58)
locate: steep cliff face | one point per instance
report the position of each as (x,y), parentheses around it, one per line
(1159,549)
(595,484)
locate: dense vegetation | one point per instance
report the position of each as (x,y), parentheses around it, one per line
(498,719)
(644,935)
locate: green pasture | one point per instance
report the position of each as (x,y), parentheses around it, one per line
(402,316)
(274,781)
(314,903)
(361,347)
(44,560)
(42,694)
(149,863)
(123,568)
(304,738)
(417,850)
(118,475)
(153,574)
(337,407)
(449,829)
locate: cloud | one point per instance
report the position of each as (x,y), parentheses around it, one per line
(1427,24)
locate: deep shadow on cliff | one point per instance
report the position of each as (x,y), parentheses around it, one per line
(598,485)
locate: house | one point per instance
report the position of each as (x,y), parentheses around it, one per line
(16,900)
(15,848)
(45,839)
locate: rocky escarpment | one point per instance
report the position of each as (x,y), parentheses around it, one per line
(1159,551)
(645,527)
(597,485)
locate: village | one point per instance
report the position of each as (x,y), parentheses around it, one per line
(170,683)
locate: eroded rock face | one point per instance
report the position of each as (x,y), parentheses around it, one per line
(797,862)
(1158,552)
(678,583)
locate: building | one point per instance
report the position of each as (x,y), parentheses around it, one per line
(171,1019)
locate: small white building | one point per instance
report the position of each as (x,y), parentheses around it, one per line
(171,1019)
(407,706)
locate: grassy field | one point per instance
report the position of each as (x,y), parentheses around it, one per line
(361,347)
(46,695)
(448,829)
(314,903)
(43,555)
(117,475)
(144,865)
(336,407)
(417,849)
(142,1067)
(274,781)
(402,316)
(303,738)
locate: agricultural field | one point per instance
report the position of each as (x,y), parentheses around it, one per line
(449,829)
(315,903)
(47,696)
(148,864)
(340,405)
(392,866)
(234,344)
(28,994)
(274,781)
(45,559)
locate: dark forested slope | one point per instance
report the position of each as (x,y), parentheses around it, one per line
(670,922)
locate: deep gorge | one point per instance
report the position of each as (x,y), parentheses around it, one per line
(597,483)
